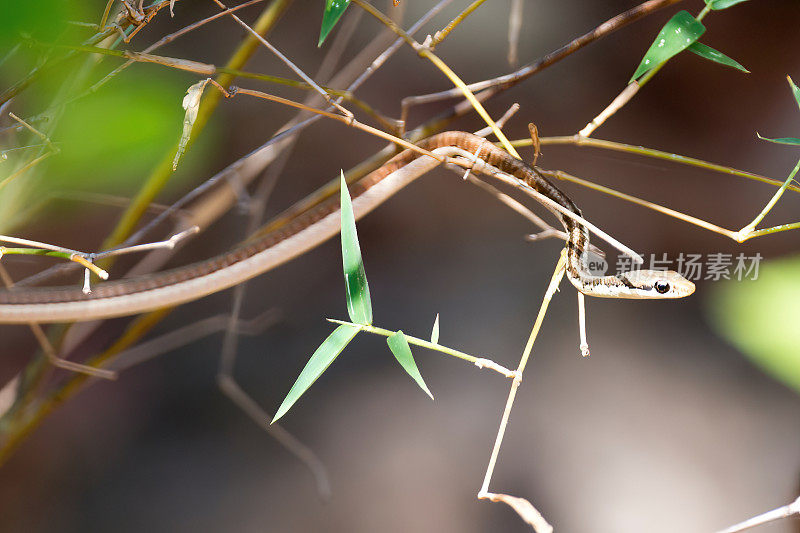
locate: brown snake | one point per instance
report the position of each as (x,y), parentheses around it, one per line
(317,224)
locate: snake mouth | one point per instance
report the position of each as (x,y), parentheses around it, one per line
(687,288)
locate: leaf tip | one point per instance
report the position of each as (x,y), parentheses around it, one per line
(279,413)
(435,330)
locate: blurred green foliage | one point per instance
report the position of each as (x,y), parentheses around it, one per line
(40,19)
(108,140)
(761,318)
(112,138)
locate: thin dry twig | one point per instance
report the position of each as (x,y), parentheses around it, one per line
(52,150)
(426,52)
(152,348)
(458,154)
(526,509)
(226,379)
(442,34)
(770,516)
(246,168)
(297,70)
(50,352)
(514,30)
(508,80)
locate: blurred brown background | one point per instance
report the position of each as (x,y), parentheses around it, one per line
(664,428)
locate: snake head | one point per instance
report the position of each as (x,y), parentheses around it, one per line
(656,284)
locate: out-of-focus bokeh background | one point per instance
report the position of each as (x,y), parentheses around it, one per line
(685,417)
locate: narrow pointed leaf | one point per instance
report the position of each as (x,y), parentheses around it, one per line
(435,332)
(676,35)
(718,57)
(781,140)
(319,362)
(795,91)
(333,11)
(717,5)
(191,103)
(402,352)
(359,305)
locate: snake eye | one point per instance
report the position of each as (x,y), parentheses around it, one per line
(661,286)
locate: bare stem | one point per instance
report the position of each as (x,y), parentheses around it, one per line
(480,362)
(555,280)
(775,514)
(441,65)
(442,34)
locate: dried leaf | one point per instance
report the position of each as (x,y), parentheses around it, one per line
(526,511)
(191,103)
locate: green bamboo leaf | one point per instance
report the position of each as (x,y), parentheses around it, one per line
(759,316)
(717,5)
(319,362)
(333,11)
(402,352)
(795,91)
(781,140)
(435,331)
(676,35)
(714,55)
(359,305)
